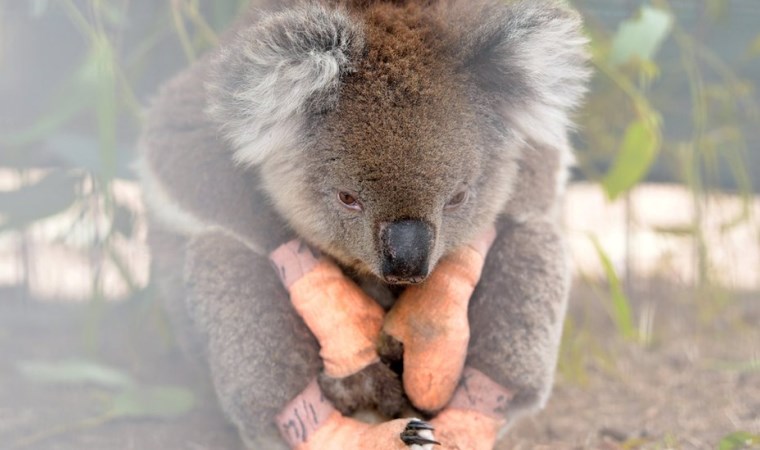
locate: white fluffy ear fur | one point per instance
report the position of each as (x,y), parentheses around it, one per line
(265,82)
(533,54)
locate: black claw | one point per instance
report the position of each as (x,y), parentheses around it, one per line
(419,425)
(417,440)
(410,434)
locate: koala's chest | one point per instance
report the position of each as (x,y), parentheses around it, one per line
(384,294)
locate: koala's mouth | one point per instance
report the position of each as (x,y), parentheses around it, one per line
(398,281)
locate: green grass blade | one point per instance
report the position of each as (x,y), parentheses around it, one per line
(621,305)
(739,441)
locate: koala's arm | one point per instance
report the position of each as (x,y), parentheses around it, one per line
(260,353)
(517,311)
(264,359)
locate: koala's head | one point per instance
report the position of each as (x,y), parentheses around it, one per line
(389,134)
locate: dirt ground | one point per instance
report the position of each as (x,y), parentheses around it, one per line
(695,381)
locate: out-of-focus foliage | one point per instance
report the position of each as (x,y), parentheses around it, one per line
(80,73)
(636,42)
(126,399)
(664,95)
(75,372)
(88,109)
(739,440)
(665,100)
(621,308)
(641,38)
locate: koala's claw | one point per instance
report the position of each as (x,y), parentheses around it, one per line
(416,424)
(419,433)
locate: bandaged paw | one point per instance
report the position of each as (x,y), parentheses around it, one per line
(344,319)
(431,321)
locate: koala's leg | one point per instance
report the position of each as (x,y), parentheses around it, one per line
(260,353)
(517,311)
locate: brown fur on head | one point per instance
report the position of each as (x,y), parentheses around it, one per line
(403,112)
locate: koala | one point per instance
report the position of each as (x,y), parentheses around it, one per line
(343,122)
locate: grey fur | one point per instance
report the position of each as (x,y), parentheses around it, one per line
(405,102)
(266,80)
(259,351)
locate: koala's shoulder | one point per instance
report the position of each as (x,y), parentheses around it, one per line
(190,181)
(542,176)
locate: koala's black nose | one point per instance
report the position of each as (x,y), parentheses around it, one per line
(406,247)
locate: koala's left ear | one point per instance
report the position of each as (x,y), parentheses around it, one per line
(532,55)
(264,83)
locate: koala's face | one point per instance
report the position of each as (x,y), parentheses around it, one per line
(389,138)
(401,178)
(389,189)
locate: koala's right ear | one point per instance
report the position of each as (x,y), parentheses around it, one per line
(274,73)
(532,55)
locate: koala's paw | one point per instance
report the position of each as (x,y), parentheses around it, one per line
(377,386)
(390,349)
(418,435)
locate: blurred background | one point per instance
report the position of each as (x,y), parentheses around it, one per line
(662,343)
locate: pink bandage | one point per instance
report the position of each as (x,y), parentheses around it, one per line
(479,393)
(304,415)
(475,415)
(343,318)
(292,261)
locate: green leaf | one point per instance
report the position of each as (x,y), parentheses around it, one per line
(38,7)
(114,15)
(638,152)
(74,371)
(642,37)
(677,230)
(739,441)
(54,194)
(106,104)
(717,9)
(163,402)
(752,365)
(753,51)
(621,306)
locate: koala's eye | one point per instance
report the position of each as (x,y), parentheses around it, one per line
(458,200)
(349,200)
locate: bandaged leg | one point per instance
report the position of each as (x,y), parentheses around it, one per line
(475,416)
(310,422)
(344,319)
(431,321)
